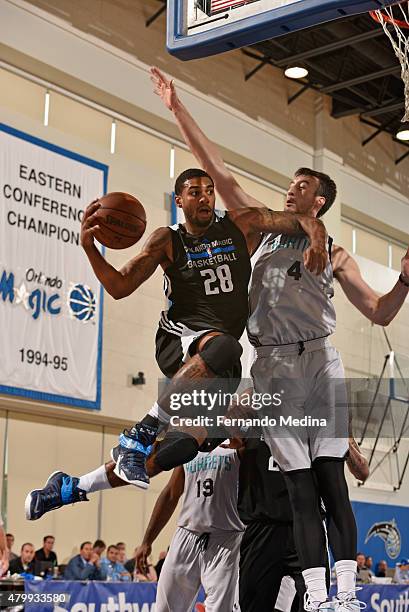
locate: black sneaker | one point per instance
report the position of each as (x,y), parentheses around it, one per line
(130,455)
(60,490)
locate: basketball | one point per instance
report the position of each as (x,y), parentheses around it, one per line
(122,220)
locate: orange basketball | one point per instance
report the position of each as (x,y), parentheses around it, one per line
(122,220)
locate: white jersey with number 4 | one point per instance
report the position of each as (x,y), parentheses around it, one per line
(288,304)
(210,493)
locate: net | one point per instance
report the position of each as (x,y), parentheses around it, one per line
(395,22)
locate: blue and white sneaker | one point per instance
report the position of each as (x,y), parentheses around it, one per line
(135,445)
(59,490)
(310,605)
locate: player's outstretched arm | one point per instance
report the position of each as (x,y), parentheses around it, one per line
(121,283)
(161,514)
(378,309)
(205,151)
(256,220)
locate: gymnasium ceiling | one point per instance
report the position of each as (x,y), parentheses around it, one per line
(351,60)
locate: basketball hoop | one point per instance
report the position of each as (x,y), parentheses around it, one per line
(397,15)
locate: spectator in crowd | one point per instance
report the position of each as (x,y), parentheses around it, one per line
(402,572)
(85,566)
(25,562)
(122,558)
(4,551)
(381,569)
(162,557)
(10,544)
(369,563)
(46,553)
(99,547)
(363,573)
(112,568)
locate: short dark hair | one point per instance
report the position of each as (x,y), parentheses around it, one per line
(111,546)
(361,553)
(46,538)
(327,187)
(84,544)
(27,544)
(188,174)
(9,535)
(99,544)
(120,544)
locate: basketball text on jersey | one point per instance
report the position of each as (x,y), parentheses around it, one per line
(211,253)
(209,462)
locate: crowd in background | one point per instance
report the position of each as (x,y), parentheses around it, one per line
(99,562)
(93,562)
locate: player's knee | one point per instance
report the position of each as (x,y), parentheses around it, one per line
(221,352)
(175,449)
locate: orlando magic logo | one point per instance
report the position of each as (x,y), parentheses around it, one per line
(388,532)
(81,302)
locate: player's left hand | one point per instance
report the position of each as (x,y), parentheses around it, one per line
(164,88)
(315,259)
(405,266)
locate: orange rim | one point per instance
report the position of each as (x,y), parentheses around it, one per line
(398,22)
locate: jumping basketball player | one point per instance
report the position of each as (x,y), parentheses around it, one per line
(205,547)
(207,268)
(291,317)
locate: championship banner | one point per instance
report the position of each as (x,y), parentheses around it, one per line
(50,299)
(64,596)
(383,531)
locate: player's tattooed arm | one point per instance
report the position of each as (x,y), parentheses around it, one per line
(206,152)
(156,251)
(255,220)
(164,508)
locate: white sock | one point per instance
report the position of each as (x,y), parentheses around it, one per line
(346,576)
(95,481)
(157,413)
(315,583)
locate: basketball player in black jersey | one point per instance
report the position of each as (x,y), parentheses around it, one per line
(206,262)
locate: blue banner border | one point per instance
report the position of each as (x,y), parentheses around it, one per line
(51,397)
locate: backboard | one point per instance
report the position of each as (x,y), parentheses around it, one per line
(199,28)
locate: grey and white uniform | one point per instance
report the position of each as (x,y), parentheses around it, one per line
(205,547)
(291,317)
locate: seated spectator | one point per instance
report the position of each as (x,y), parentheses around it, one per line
(369,563)
(99,547)
(112,568)
(381,569)
(85,566)
(402,572)
(122,558)
(363,573)
(10,544)
(25,562)
(46,553)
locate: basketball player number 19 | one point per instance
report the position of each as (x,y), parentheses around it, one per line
(221,276)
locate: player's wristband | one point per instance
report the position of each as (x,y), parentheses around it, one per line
(402,280)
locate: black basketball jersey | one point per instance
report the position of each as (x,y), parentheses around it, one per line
(263,494)
(207,283)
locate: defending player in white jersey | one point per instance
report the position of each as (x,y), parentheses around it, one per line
(205,547)
(290,321)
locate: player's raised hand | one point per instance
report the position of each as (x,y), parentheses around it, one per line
(89,224)
(405,266)
(315,259)
(141,558)
(164,88)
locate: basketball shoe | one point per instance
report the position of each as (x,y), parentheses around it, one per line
(316,606)
(348,602)
(135,445)
(59,490)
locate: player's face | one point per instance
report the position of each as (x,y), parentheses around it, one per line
(197,201)
(301,196)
